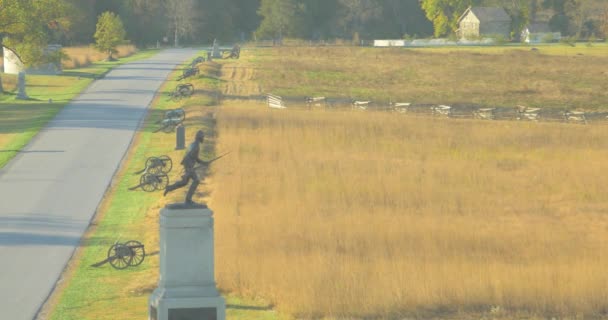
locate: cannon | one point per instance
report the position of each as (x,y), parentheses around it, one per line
(183,90)
(123,255)
(188,72)
(150,182)
(162,164)
(197,60)
(171,119)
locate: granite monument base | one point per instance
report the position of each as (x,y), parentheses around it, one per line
(186,288)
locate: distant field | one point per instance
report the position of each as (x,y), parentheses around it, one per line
(371,215)
(554,76)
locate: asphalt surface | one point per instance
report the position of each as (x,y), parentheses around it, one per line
(49,192)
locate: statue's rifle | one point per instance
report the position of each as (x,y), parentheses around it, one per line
(206,163)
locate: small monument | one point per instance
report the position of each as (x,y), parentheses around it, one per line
(21,87)
(180,137)
(216,53)
(186,288)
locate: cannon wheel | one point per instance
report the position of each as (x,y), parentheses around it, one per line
(167,164)
(152,165)
(176,96)
(185,90)
(182,115)
(138,251)
(170,127)
(147,182)
(120,256)
(161,181)
(190,87)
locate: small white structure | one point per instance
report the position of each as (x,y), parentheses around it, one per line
(539,32)
(186,288)
(14,65)
(389,43)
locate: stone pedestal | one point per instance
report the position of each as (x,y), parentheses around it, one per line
(180,137)
(216,53)
(21,87)
(186,288)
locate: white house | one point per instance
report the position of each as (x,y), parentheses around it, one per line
(539,32)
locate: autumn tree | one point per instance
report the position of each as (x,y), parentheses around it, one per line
(109,34)
(26,25)
(444,14)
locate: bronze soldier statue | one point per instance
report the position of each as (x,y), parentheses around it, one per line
(190,160)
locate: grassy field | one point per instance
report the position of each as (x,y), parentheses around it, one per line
(368,215)
(20,120)
(126,215)
(553,76)
(336,214)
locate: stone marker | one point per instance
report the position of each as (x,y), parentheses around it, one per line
(216,53)
(186,288)
(21,87)
(180,137)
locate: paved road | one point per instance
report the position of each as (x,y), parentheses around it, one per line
(49,192)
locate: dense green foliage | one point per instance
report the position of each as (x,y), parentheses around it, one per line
(200,21)
(26,26)
(110,33)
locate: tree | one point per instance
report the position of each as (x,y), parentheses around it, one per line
(278,18)
(403,17)
(110,33)
(357,15)
(25,27)
(182,18)
(246,18)
(444,14)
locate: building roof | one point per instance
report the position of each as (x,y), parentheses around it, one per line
(539,27)
(487,14)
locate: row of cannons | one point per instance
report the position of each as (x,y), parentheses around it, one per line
(193,70)
(521,113)
(154,175)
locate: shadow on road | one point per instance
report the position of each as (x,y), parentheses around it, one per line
(29,238)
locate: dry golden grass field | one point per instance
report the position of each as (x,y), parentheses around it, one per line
(344,214)
(84,56)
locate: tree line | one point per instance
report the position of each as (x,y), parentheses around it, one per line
(73,22)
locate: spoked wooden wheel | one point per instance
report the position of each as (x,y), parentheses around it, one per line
(161,181)
(167,163)
(120,256)
(147,182)
(154,165)
(138,252)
